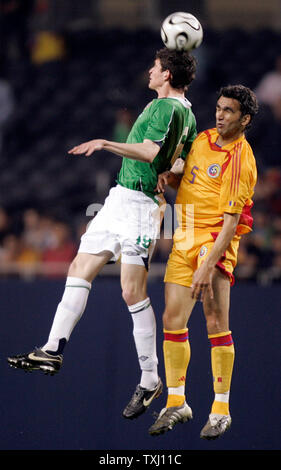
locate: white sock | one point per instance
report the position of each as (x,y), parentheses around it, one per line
(145,340)
(69,311)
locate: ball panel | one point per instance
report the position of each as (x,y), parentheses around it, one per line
(181,31)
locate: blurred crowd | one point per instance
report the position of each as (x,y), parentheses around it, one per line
(36,242)
(42,245)
(259,258)
(36,245)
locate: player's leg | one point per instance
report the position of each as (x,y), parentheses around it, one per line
(176,349)
(178,307)
(97,246)
(82,271)
(216,312)
(134,292)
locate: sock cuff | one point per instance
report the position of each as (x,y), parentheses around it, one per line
(77,282)
(139,306)
(221,339)
(217,335)
(176,335)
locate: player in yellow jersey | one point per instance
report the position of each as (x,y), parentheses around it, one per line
(213,205)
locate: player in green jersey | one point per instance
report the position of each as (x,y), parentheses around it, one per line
(128,224)
(169,123)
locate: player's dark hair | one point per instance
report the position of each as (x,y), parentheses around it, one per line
(182,66)
(246,97)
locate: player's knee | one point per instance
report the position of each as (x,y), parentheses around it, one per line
(129,296)
(74,267)
(214,323)
(80,269)
(132,294)
(168,319)
(172,320)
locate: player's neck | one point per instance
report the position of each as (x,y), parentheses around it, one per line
(222,141)
(167,91)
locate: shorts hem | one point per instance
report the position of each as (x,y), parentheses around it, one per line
(84,249)
(228,274)
(180,283)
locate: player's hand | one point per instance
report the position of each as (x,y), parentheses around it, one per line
(202,283)
(163,181)
(87,148)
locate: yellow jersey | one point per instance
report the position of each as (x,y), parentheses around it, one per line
(217,180)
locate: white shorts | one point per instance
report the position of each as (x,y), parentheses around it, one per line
(128,225)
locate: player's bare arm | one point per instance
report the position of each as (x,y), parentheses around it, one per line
(145,151)
(202,278)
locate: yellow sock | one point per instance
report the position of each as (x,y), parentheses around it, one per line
(176,349)
(222,359)
(175,400)
(220,407)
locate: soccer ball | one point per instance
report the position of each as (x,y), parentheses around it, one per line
(181,31)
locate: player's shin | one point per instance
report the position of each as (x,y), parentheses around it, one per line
(68,313)
(177,353)
(144,331)
(222,360)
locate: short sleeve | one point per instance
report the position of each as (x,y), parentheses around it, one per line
(160,120)
(238,180)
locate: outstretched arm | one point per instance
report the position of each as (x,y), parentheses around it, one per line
(145,151)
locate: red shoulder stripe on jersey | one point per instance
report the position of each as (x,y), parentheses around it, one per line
(239,165)
(235,169)
(232,171)
(237,151)
(226,163)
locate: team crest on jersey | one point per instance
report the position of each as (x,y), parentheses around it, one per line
(214,170)
(203,251)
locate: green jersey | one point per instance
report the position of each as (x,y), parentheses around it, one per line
(171,124)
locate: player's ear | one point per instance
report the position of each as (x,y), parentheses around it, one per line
(168,75)
(246,119)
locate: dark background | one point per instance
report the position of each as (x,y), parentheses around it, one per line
(68,69)
(81,407)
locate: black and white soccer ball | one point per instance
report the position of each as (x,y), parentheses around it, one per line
(181,31)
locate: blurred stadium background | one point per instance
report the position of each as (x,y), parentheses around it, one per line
(71,71)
